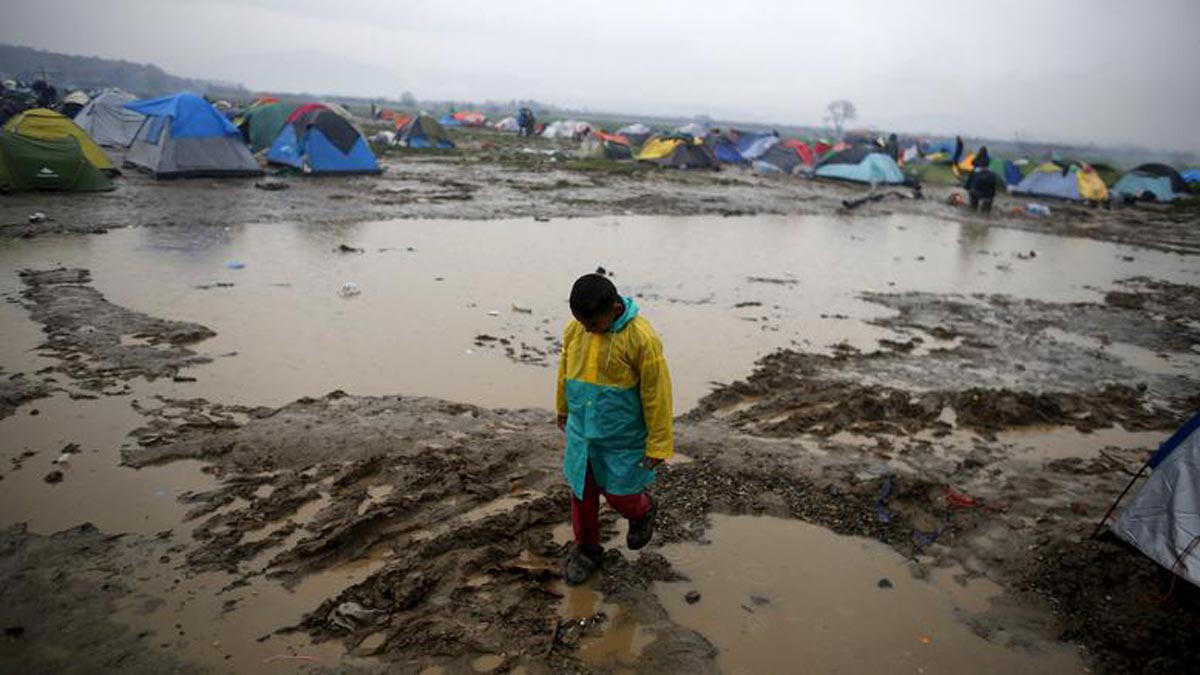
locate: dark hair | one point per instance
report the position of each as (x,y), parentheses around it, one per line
(592,295)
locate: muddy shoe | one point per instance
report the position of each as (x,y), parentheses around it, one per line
(642,529)
(582,563)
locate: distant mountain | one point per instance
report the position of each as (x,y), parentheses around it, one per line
(67,73)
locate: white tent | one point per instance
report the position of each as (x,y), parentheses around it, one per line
(566,129)
(106,119)
(636,129)
(507,124)
(1163,521)
(693,129)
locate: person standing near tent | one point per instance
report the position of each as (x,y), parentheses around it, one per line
(525,122)
(614,404)
(981,185)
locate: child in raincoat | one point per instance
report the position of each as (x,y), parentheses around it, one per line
(614,403)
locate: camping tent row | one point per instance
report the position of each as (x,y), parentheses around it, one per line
(43,150)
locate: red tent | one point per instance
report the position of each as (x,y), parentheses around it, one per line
(807,156)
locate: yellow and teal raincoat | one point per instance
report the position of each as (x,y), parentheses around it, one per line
(615,390)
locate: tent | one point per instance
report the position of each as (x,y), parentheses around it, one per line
(1151,182)
(30,163)
(696,129)
(779,158)
(861,164)
(423,132)
(752,145)
(1191,176)
(260,124)
(637,133)
(679,152)
(1072,182)
(507,124)
(566,129)
(106,119)
(807,155)
(599,145)
(317,140)
(725,150)
(469,119)
(1163,521)
(73,102)
(183,136)
(47,124)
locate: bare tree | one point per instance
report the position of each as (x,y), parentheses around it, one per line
(838,113)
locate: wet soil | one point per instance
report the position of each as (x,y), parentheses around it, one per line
(395,533)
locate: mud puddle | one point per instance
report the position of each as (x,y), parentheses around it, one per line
(778,594)
(754,284)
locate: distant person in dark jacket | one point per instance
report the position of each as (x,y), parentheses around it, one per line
(981,188)
(526,122)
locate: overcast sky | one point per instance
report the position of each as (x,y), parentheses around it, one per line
(1086,71)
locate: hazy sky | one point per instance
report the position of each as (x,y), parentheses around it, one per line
(1087,71)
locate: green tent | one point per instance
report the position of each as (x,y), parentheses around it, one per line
(47,164)
(261,125)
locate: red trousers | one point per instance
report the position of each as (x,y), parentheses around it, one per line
(585,513)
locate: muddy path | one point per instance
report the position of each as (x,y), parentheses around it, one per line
(493,175)
(979,441)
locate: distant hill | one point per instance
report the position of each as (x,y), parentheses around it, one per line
(67,73)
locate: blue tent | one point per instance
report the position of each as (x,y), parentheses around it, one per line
(448,120)
(1012,175)
(725,150)
(1151,182)
(1191,176)
(317,140)
(1163,521)
(861,164)
(183,136)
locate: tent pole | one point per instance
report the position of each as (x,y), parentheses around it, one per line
(1100,525)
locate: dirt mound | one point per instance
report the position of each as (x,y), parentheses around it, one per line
(1135,616)
(16,389)
(99,342)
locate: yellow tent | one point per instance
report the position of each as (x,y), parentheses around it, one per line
(49,125)
(657,148)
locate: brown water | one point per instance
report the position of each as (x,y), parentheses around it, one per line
(284,332)
(781,596)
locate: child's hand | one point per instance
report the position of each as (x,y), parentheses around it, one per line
(562,422)
(650,462)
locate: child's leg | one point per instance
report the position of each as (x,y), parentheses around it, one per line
(633,507)
(585,513)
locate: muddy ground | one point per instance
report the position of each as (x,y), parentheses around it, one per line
(445,521)
(493,175)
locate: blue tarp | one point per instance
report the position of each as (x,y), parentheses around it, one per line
(190,115)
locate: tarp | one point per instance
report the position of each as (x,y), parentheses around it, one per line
(47,124)
(1163,520)
(47,164)
(261,124)
(106,119)
(183,136)
(751,145)
(507,124)
(861,164)
(423,132)
(317,141)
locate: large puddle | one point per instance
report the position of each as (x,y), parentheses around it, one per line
(784,596)
(721,291)
(412,328)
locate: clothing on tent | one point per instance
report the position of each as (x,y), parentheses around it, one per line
(316,140)
(106,119)
(184,136)
(47,124)
(31,163)
(1163,520)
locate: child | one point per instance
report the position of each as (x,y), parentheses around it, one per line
(614,403)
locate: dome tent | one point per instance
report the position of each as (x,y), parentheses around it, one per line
(107,120)
(184,137)
(317,140)
(1151,182)
(861,164)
